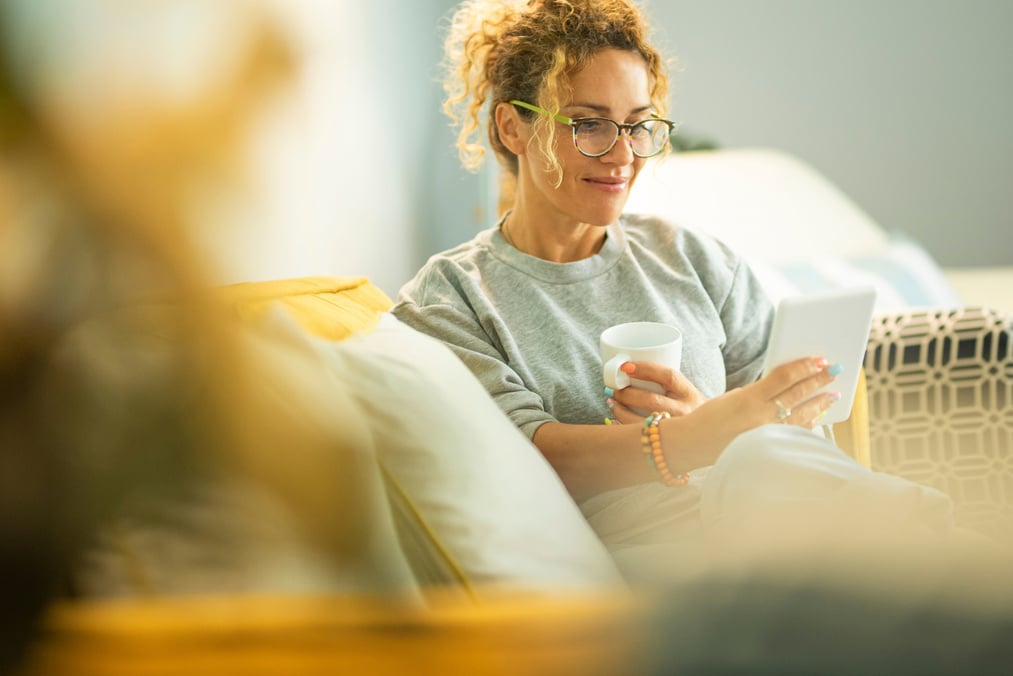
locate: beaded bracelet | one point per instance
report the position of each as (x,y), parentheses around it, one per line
(650,441)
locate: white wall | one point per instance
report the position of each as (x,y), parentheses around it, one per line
(328,176)
(334,196)
(905,104)
(358,172)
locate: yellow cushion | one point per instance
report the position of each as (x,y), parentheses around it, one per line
(329,307)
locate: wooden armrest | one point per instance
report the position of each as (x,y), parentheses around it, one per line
(852,435)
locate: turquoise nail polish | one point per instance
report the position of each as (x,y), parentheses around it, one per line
(609,391)
(835,369)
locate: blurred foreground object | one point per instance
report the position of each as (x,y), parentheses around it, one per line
(121,125)
(510,635)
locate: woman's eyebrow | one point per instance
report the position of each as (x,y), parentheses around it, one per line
(600,109)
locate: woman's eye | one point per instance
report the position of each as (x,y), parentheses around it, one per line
(590,127)
(641,130)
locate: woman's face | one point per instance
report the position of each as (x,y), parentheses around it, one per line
(594,190)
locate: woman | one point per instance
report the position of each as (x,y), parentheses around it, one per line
(576,100)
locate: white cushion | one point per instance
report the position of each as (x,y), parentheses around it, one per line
(902,272)
(798,231)
(984,287)
(766,204)
(480,489)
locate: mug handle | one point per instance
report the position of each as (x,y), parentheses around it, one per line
(615,378)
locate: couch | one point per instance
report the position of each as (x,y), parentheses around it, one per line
(460,550)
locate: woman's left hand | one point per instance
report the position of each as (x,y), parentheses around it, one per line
(681,396)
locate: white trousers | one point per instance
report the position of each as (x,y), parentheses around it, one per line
(788,501)
(782,495)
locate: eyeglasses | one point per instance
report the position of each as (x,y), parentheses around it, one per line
(597,136)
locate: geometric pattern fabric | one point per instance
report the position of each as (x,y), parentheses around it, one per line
(940,387)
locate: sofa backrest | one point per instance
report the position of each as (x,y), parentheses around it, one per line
(767,204)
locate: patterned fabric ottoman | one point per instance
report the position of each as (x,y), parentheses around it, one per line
(940,386)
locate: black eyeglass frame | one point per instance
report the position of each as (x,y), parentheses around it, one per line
(573,122)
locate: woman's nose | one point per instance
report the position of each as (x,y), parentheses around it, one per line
(622,151)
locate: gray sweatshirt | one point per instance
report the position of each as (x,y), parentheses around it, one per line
(528,328)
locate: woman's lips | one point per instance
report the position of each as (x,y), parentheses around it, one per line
(611,184)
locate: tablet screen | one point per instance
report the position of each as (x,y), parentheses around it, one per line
(831,324)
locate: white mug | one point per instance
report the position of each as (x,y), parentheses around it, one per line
(638,341)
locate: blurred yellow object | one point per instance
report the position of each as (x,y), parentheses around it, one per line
(509,634)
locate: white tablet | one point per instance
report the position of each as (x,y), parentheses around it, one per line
(831,324)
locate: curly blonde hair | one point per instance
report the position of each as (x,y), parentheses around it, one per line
(498,50)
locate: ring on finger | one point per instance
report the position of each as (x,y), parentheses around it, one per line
(782,412)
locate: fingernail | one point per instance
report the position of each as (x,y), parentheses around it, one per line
(835,369)
(610,402)
(608,421)
(836,396)
(609,391)
(628,367)
(822,362)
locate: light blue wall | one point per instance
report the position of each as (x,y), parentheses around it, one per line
(905,104)
(451,204)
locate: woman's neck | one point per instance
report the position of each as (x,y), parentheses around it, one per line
(558,243)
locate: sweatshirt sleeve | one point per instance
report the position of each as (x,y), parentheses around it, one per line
(747,315)
(473,333)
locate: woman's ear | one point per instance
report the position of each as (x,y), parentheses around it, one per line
(512,131)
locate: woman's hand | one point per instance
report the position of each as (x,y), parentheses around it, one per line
(785,395)
(680,398)
(789,389)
